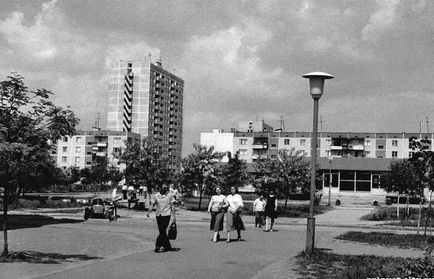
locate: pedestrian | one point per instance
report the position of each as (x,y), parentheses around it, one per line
(270,211)
(258,210)
(141,190)
(132,197)
(216,207)
(173,191)
(164,204)
(124,192)
(234,221)
(180,196)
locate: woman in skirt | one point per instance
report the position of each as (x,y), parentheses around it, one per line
(216,207)
(234,221)
(270,211)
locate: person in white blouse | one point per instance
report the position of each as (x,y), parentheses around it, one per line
(216,207)
(234,221)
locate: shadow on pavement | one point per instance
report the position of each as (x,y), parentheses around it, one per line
(44,258)
(32,221)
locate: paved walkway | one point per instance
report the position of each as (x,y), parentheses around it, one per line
(109,250)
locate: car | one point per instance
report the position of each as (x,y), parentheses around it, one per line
(96,209)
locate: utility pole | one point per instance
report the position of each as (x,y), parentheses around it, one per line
(420,127)
(427,125)
(282,124)
(96,124)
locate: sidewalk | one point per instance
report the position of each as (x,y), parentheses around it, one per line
(136,233)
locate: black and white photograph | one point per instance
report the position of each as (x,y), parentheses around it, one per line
(262,139)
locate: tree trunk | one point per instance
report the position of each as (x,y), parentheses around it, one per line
(201,189)
(286,200)
(5,222)
(397,207)
(428,217)
(420,216)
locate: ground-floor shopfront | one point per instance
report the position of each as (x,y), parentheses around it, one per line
(353,175)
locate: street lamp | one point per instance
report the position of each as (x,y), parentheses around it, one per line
(330,179)
(316,83)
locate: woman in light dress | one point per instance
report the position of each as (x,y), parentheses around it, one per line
(216,207)
(234,221)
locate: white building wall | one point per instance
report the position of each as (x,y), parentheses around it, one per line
(244,145)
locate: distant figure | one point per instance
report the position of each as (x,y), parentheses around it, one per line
(124,192)
(216,207)
(270,211)
(141,190)
(132,197)
(173,191)
(259,209)
(165,207)
(234,221)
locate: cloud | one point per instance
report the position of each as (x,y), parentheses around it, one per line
(381,20)
(46,44)
(226,62)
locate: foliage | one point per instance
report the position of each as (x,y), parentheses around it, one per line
(144,163)
(329,265)
(289,173)
(403,241)
(401,178)
(233,173)
(28,123)
(199,169)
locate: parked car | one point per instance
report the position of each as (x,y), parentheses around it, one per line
(96,209)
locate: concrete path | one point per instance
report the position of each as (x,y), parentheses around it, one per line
(124,249)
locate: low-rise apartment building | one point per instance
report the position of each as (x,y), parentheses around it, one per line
(82,149)
(348,162)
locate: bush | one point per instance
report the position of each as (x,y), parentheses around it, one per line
(420,268)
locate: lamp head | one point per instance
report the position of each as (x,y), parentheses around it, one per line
(316,82)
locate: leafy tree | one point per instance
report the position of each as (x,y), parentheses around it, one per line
(99,171)
(233,173)
(28,123)
(422,161)
(199,169)
(293,172)
(265,177)
(114,174)
(401,179)
(288,173)
(144,162)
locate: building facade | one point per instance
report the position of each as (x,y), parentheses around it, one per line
(146,99)
(348,162)
(82,149)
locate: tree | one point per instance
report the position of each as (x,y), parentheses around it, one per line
(401,179)
(293,172)
(199,169)
(422,161)
(99,171)
(29,122)
(233,173)
(144,163)
(288,173)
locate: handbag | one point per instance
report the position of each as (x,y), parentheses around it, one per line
(172,231)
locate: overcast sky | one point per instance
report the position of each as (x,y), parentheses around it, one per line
(240,60)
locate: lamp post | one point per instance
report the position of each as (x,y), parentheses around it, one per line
(330,179)
(316,83)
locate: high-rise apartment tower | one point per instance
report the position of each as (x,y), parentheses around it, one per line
(148,100)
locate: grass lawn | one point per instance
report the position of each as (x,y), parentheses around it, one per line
(403,241)
(324,265)
(293,210)
(389,214)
